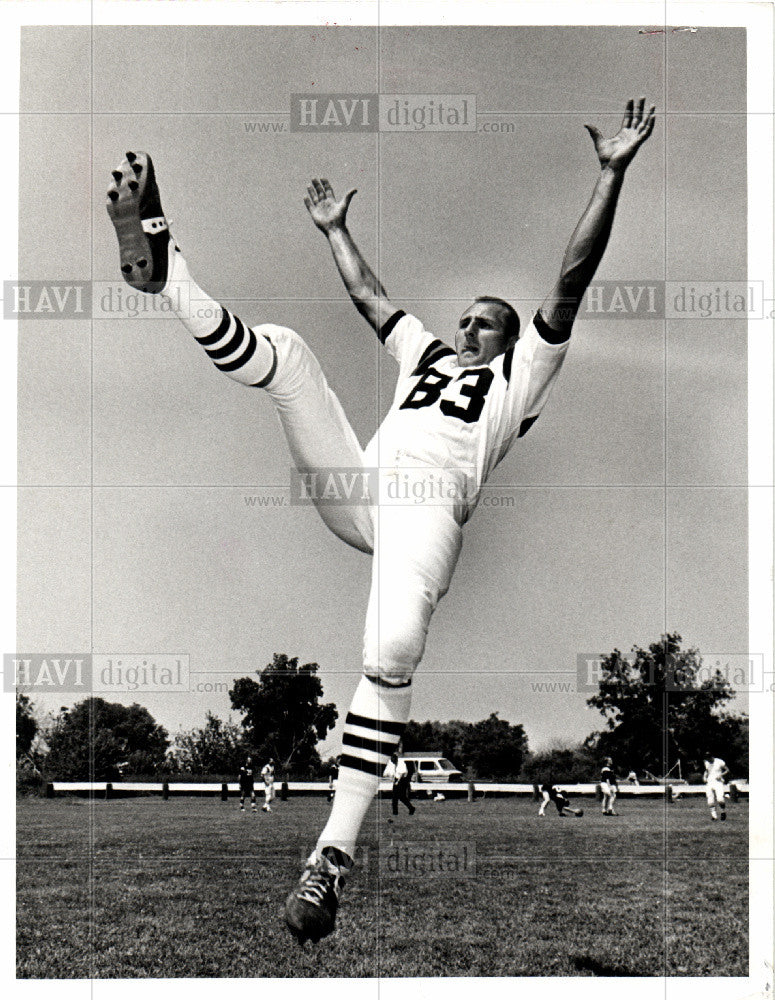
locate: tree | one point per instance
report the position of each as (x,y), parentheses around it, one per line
(216,748)
(95,736)
(560,763)
(282,714)
(660,707)
(495,749)
(26,725)
(491,748)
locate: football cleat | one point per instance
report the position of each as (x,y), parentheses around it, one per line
(134,207)
(310,910)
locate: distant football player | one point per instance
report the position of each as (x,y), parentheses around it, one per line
(267,773)
(715,789)
(333,772)
(456,413)
(401,776)
(246,788)
(609,786)
(551,793)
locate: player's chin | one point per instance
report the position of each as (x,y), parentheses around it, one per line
(468,358)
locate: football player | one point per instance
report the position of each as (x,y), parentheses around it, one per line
(246,785)
(456,413)
(715,790)
(267,773)
(609,786)
(550,793)
(401,776)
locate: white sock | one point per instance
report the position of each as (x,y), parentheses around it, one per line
(373,727)
(232,347)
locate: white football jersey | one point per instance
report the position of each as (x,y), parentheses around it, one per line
(462,419)
(715,769)
(267,773)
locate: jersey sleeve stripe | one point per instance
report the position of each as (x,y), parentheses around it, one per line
(547,333)
(508,359)
(387,328)
(435,351)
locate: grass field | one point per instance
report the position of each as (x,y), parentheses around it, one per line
(193,887)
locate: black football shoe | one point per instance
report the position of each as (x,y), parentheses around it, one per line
(310,910)
(134,207)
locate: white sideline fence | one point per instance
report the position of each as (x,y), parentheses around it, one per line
(480,788)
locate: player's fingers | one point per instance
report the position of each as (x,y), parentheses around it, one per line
(308,203)
(594,132)
(328,190)
(313,195)
(639,112)
(650,119)
(320,190)
(627,120)
(349,197)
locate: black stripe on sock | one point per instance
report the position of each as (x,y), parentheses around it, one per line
(362,743)
(232,344)
(378,725)
(220,330)
(270,375)
(247,354)
(372,767)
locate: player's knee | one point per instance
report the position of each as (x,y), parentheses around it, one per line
(292,351)
(393,658)
(293,358)
(390,676)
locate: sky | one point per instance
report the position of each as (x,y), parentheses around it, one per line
(621,515)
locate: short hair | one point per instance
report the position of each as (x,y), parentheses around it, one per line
(511,325)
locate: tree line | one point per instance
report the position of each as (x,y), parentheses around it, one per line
(659,704)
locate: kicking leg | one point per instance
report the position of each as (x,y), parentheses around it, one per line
(151,262)
(266,356)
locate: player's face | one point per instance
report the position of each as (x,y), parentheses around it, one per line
(480,334)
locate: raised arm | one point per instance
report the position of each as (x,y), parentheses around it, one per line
(330,215)
(590,238)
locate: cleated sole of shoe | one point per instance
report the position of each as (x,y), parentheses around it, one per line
(134,207)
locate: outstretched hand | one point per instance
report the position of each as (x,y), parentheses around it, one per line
(620,149)
(327,213)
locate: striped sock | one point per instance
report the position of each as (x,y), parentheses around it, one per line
(232,347)
(235,350)
(372,730)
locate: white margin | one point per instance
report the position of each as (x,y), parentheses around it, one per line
(757,18)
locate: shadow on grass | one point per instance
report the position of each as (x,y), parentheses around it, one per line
(585,963)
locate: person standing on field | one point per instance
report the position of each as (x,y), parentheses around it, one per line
(267,773)
(609,787)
